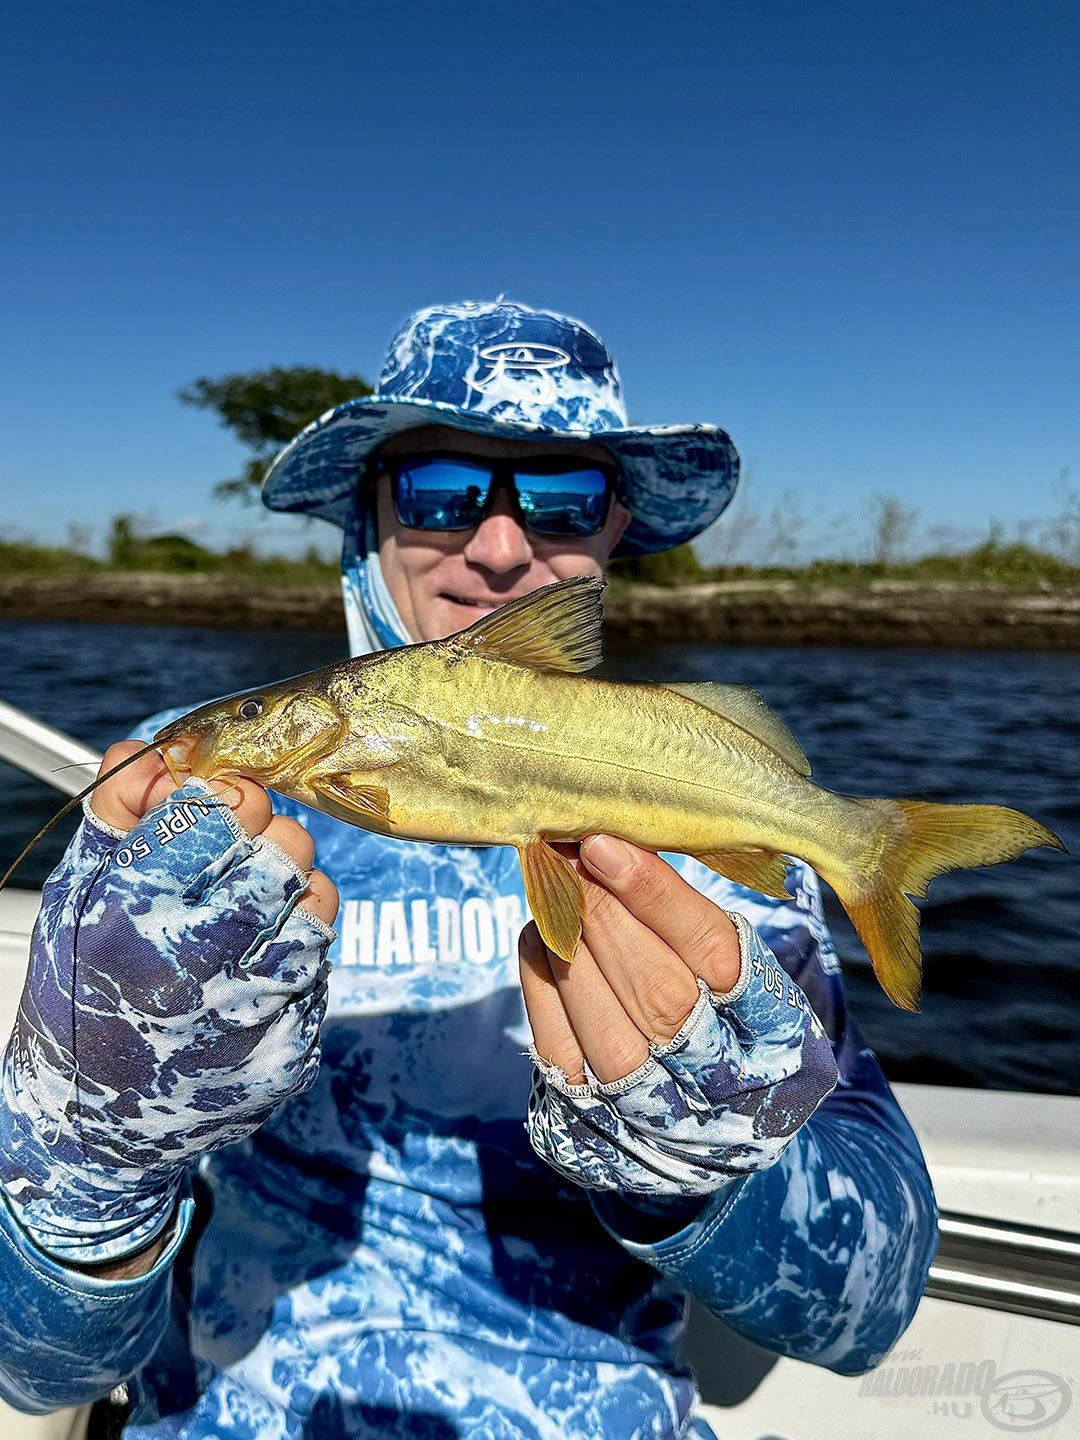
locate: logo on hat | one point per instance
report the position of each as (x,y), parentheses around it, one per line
(515,361)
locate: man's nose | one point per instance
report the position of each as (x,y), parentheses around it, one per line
(500,542)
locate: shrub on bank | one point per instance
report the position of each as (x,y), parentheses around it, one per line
(680,566)
(17,558)
(991,563)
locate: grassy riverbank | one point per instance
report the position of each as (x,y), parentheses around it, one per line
(1012,566)
(752,609)
(1005,596)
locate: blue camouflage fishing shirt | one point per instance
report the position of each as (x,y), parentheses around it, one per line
(387,1255)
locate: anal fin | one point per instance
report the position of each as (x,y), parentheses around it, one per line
(556,899)
(762,870)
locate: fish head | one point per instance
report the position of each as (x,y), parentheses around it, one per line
(262,734)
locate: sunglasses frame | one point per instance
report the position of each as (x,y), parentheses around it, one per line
(500,472)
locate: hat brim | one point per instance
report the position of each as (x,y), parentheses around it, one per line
(678,478)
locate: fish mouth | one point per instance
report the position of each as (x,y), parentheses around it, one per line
(184,759)
(181,754)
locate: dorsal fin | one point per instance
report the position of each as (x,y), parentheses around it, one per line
(554,628)
(747,709)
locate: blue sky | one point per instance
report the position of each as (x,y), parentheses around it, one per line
(848,233)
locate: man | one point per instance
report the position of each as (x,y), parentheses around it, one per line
(377,1245)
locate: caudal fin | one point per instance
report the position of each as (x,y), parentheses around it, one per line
(918,841)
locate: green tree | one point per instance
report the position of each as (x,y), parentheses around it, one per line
(123,542)
(264,409)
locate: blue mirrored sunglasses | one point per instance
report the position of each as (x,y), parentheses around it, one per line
(562,499)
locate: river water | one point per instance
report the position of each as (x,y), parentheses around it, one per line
(1001,1005)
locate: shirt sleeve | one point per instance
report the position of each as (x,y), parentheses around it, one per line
(67,1336)
(824,1255)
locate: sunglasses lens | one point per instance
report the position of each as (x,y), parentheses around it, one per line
(441,494)
(564,504)
(447,492)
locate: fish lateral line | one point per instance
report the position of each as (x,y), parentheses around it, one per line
(506,743)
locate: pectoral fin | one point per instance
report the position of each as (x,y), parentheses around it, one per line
(762,870)
(291,765)
(556,899)
(367,801)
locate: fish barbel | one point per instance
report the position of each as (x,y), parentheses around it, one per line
(494,736)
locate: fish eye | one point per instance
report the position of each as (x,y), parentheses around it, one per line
(249,709)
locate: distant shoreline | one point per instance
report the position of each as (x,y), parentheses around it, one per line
(880,613)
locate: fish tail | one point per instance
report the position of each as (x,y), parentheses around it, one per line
(915,841)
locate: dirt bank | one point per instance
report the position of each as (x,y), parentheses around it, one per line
(882,613)
(747,612)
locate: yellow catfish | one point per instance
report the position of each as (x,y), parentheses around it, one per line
(495,737)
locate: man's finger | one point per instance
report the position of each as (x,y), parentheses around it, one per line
(553,1035)
(125,799)
(696,929)
(614,1044)
(653,985)
(290,836)
(320,898)
(249,803)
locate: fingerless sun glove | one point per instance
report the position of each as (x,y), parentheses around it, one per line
(720,1100)
(173,1001)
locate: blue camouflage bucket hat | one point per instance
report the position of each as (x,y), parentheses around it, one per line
(499,368)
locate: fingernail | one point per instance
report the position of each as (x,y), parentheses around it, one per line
(530,946)
(606,855)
